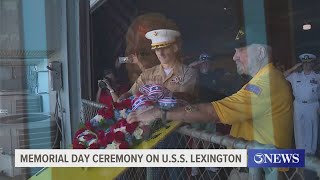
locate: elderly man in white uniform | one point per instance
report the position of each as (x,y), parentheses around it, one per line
(305,86)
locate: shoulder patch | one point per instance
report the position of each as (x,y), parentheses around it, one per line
(253,88)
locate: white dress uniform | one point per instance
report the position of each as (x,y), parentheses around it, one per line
(306,92)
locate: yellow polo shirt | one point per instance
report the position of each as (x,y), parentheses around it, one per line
(261,110)
(181,79)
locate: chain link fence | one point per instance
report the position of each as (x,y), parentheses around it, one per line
(191,138)
(89,109)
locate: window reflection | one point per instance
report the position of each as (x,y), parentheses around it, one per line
(28,42)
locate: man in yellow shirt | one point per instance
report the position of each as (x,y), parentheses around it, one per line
(261,110)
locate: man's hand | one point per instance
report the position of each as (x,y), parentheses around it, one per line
(134,58)
(124,96)
(289,71)
(145,116)
(182,95)
(297,65)
(108,85)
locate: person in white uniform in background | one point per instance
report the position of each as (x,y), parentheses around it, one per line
(305,87)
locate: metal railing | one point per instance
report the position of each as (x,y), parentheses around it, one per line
(89,109)
(190,138)
(311,162)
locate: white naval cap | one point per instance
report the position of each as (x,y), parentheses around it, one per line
(161,38)
(307,57)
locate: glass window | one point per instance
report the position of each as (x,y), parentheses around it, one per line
(32,99)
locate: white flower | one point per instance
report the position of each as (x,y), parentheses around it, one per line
(113,145)
(123,113)
(138,133)
(97,118)
(81,139)
(122,129)
(86,132)
(83,134)
(92,141)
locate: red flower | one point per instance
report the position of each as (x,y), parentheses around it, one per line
(113,127)
(76,144)
(94,146)
(88,125)
(117,125)
(119,136)
(79,132)
(110,136)
(75,141)
(118,106)
(100,134)
(103,142)
(131,127)
(127,103)
(124,145)
(106,113)
(122,123)
(88,137)
(123,104)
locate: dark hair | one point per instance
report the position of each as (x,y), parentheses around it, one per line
(108,71)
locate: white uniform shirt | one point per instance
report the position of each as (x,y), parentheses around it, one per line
(305,87)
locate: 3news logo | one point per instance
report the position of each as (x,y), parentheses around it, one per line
(276,158)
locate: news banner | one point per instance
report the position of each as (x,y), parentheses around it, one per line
(159,158)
